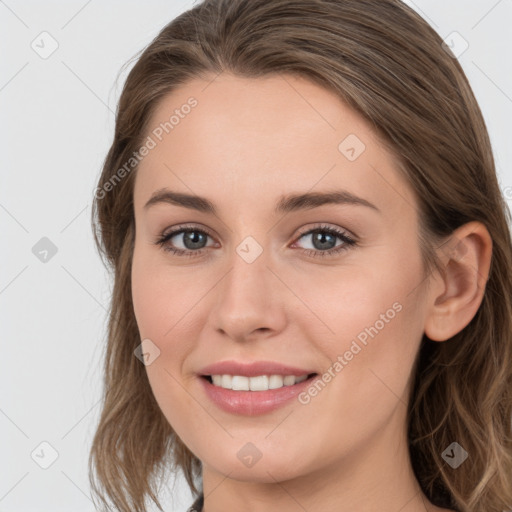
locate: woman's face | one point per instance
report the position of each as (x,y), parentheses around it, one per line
(257,283)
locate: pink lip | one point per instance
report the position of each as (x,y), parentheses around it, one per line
(251,403)
(252,369)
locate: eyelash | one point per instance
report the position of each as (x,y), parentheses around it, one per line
(348,241)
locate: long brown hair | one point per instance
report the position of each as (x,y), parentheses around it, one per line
(386,62)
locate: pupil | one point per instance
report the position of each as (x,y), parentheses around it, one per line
(319,240)
(193,240)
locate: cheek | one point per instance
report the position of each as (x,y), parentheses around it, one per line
(368,325)
(365,377)
(163,298)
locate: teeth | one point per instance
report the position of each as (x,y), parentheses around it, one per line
(259,383)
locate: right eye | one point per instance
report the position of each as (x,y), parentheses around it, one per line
(192,238)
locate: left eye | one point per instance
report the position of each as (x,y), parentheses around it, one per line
(324,239)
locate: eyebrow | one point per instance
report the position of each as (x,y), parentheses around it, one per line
(286,204)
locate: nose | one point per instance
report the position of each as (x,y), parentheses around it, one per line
(249,300)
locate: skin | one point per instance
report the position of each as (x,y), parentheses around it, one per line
(247,143)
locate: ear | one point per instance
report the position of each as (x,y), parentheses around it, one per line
(454,297)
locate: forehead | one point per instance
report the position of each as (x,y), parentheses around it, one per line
(235,137)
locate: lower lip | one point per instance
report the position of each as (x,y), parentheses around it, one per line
(252,403)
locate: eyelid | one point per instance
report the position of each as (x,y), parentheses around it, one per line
(184,227)
(325,226)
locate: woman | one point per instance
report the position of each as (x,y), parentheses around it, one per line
(312,268)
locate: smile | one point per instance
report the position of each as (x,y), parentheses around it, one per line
(257,383)
(250,396)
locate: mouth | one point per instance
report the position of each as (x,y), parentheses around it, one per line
(255,395)
(256,383)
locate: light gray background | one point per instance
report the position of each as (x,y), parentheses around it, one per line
(57,125)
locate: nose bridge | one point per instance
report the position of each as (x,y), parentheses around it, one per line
(248,298)
(248,275)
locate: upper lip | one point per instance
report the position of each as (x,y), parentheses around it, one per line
(252,369)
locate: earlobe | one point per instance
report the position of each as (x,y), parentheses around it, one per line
(456,295)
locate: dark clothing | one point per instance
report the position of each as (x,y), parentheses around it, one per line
(197,506)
